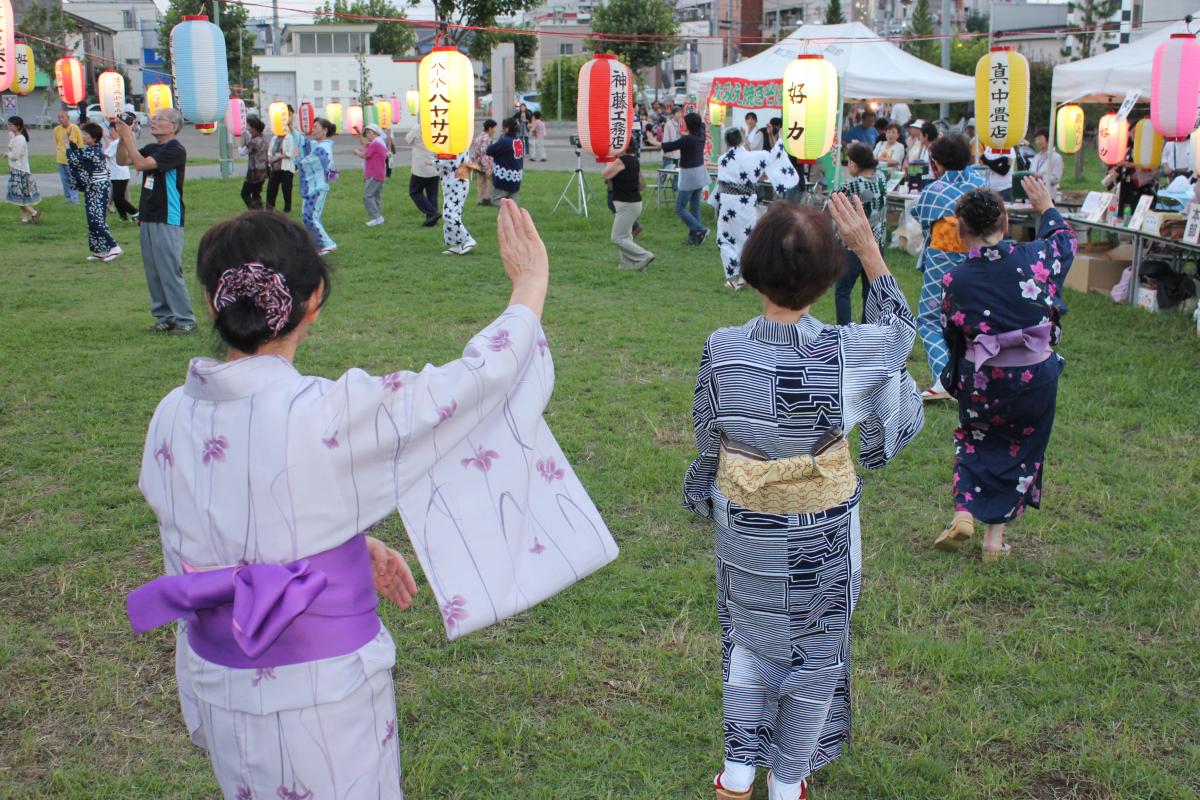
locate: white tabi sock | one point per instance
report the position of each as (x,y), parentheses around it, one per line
(737,777)
(783,791)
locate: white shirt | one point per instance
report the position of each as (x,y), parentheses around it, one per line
(18,153)
(1049,165)
(996,181)
(422,156)
(753,137)
(116,171)
(885,152)
(1177,156)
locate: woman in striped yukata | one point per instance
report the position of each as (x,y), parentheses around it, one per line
(774,474)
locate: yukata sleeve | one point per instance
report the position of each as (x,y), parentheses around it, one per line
(930,207)
(1061,244)
(880,397)
(779,169)
(698,483)
(953,318)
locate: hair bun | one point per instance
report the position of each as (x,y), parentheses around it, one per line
(980,211)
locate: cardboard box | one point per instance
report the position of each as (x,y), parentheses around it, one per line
(1122,252)
(1094,273)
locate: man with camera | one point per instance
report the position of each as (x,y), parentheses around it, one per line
(160,215)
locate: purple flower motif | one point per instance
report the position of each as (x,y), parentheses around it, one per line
(974,252)
(164,452)
(542,345)
(550,470)
(499,341)
(1056,265)
(391,733)
(244,793)
(980,381)
(284,793)
(968,496)
(331,442)
(262,674)
(482,460)
(984,327)
(1030,289)
(214,449)
(970,448)
(195,373)
(1027,431)
(1013,449)
(993,255)
(392,381)
(447,411)
(1052,290)
(958,318)
(454,611)
(1040,272)
(538,548)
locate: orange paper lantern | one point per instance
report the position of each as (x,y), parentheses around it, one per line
(68,77)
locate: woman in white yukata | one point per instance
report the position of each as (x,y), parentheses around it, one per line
(264,481)
(456,184)
(774,473)
(737,197)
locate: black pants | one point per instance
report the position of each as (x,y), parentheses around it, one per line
(123,206)
(424,194)
(279,178)
(844,289)
(252,194)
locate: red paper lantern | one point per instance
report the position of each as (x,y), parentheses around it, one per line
(605,106)
(68,76)
(307,117)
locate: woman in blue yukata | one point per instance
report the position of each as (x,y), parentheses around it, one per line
(1001,312)
(774,473)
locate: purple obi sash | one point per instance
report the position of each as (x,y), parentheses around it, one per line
(1020,348)
(268,615)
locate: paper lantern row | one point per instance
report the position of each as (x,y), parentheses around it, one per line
(811,107)
(1112,139)
(605,107)
(446,87)
(1068,129)
(1002,98)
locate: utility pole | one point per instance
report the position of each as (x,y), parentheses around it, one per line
(559,95)
(222,132)
(275,27)
(944,108)
(777,24)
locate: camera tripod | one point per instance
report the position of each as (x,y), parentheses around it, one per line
(580,204)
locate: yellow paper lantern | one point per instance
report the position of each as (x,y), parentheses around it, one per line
(278,112)
(25,72)
(446,83)
(384,110)
(810,107)
(158,97)
(354,118)
(1147,145)
(1112,139)
(413,99)
(333,113)
(716,112)
(1002,98)
(1068,129)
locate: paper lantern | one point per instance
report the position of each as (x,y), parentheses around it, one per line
(333,113)
(1002,98)
(383,114)
(68,77)
(413,98)
(24,71)
(395,104)
(354,118)
(1068,129)
(8,43)
(235,116)
(158,97)
(110,86)
(446,83)
(308,116)
(1175,86)
(716,112)
(604,107)
(207,128)
(199,68)
(279,116)
(1147,145)
(370,114)
(1112,139)
(810,107)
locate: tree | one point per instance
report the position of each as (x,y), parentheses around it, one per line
(978,22)
(364,80)
(566,67)
(47,22)
(473,13)
(389,38)
(921,24)
(239,42)
(650,18)
(1091,14)
(525,47)
(833,13)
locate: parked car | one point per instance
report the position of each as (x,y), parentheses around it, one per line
(532,100)
(95,115)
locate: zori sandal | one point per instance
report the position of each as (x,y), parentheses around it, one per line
(961,529)
(726,794)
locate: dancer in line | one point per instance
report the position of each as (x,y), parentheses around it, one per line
(256,163)
(374,154)
(508,163)
(316,173)
(456,184)
(89,166)
(775,399)
(482,163)
(625,177)
(1001,313)
(693,176)
(22,189)
(282,154)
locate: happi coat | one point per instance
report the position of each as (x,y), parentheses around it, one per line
(252,462)
(736,198)
(1005,413)
(787,584)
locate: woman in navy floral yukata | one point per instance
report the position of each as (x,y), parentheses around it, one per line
(1000,313)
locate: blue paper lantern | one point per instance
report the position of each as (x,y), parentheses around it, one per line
(200,69)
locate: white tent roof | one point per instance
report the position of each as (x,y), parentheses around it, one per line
(1110,76)
(870,67)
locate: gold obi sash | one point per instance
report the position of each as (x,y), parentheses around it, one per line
(803,484)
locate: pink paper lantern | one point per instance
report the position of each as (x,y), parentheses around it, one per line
(1175,86)
(1112,139)
(394,102)
(235,116)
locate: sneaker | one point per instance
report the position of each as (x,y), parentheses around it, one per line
(324,251)
(162,326)
(371,223)
(183,330)
(701,236)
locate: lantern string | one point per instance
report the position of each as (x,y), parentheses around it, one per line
(66,49)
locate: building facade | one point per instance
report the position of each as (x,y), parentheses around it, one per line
(134,25)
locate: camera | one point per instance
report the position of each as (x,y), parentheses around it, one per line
(127,117)
(575,141)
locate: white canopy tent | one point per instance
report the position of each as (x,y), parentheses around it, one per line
(870,68)
(1108,77)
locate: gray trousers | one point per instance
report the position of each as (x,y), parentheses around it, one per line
(162,257)
(499,194)
(633,256)
(373,197)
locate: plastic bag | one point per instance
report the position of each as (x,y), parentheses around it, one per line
(1120,292)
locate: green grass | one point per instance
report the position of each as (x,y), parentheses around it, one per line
(45,163)
(1070,671)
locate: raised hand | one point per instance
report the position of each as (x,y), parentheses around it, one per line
(524,256)
(1038,193)
(393,578)
(852,223)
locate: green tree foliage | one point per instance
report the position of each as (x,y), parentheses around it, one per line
(636,17)
(921,24)
(548,86)
(977,22)
(389,38)
(47,21)
(239,42)
(833,13)
(474,13)
(525,47)
(1090,15)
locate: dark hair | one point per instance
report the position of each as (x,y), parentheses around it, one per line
(776,121)
(19,124)
(330,128)
(867,113)
(694,123)
(537,115)
(882,124)
(930,131)
(952,151)
(1042,132)
(489,123)
(275,241)
(256,124)
(750,114)
(980,212)
(861,155)
(896,125)
(733,138)
(93,130)
(792,256)
(510,126)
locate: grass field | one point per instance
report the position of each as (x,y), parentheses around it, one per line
(46,163)
(1071,671)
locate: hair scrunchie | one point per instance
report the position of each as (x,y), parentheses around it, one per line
(264,286)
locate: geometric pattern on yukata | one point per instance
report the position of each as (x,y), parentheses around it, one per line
(737,214)
(96,207)
(454,197)
(787,584)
